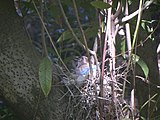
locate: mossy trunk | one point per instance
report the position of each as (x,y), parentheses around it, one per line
(19,83)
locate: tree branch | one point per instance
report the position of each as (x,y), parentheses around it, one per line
(83,35)
(127,18)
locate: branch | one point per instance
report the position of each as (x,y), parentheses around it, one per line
(83,35)
(45,52)
(70,28)
(50,38)
(127,18)
(117,12)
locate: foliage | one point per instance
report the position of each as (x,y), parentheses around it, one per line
(6,113)
(141,63)
(100,4)
(70,28)
(45,75)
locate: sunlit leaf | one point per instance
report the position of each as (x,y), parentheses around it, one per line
(143,25)
(135,58)
(103,27)
(91,32)
(100,4)
(68,35)
(123,47)
(144,67)
(45,75)
(65,35)
(141,63)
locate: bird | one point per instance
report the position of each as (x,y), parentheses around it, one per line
(83,68)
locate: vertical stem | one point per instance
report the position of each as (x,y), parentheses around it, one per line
(128,38)
(45,52)
(128,34)
(50,38)
(111,41)
(137,25)
(102,74)
(83,35)
(100,33)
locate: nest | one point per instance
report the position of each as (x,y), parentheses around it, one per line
(86,102)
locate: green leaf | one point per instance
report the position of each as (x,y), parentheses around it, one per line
(141,63)
(91,32)
(123,47)
(68,35)
(65,36)
(45,75)
(103,27)
(135,58)
(71,50)
(144,67)
(55,12)
(100,4)
(27,4)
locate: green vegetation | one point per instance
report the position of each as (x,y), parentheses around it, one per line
(116,75)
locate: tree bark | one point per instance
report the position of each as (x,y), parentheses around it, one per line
(19,83)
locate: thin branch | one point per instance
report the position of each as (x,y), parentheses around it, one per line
(83,35)
(140,44)
(50,37)
(136,31)
(128,38)
(128,34)
(127,18)
(69,26)
(137,26)
(45,52)
(118,11)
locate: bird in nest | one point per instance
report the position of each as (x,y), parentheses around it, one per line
(83,69)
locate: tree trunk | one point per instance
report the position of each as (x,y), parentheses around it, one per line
(19,83)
